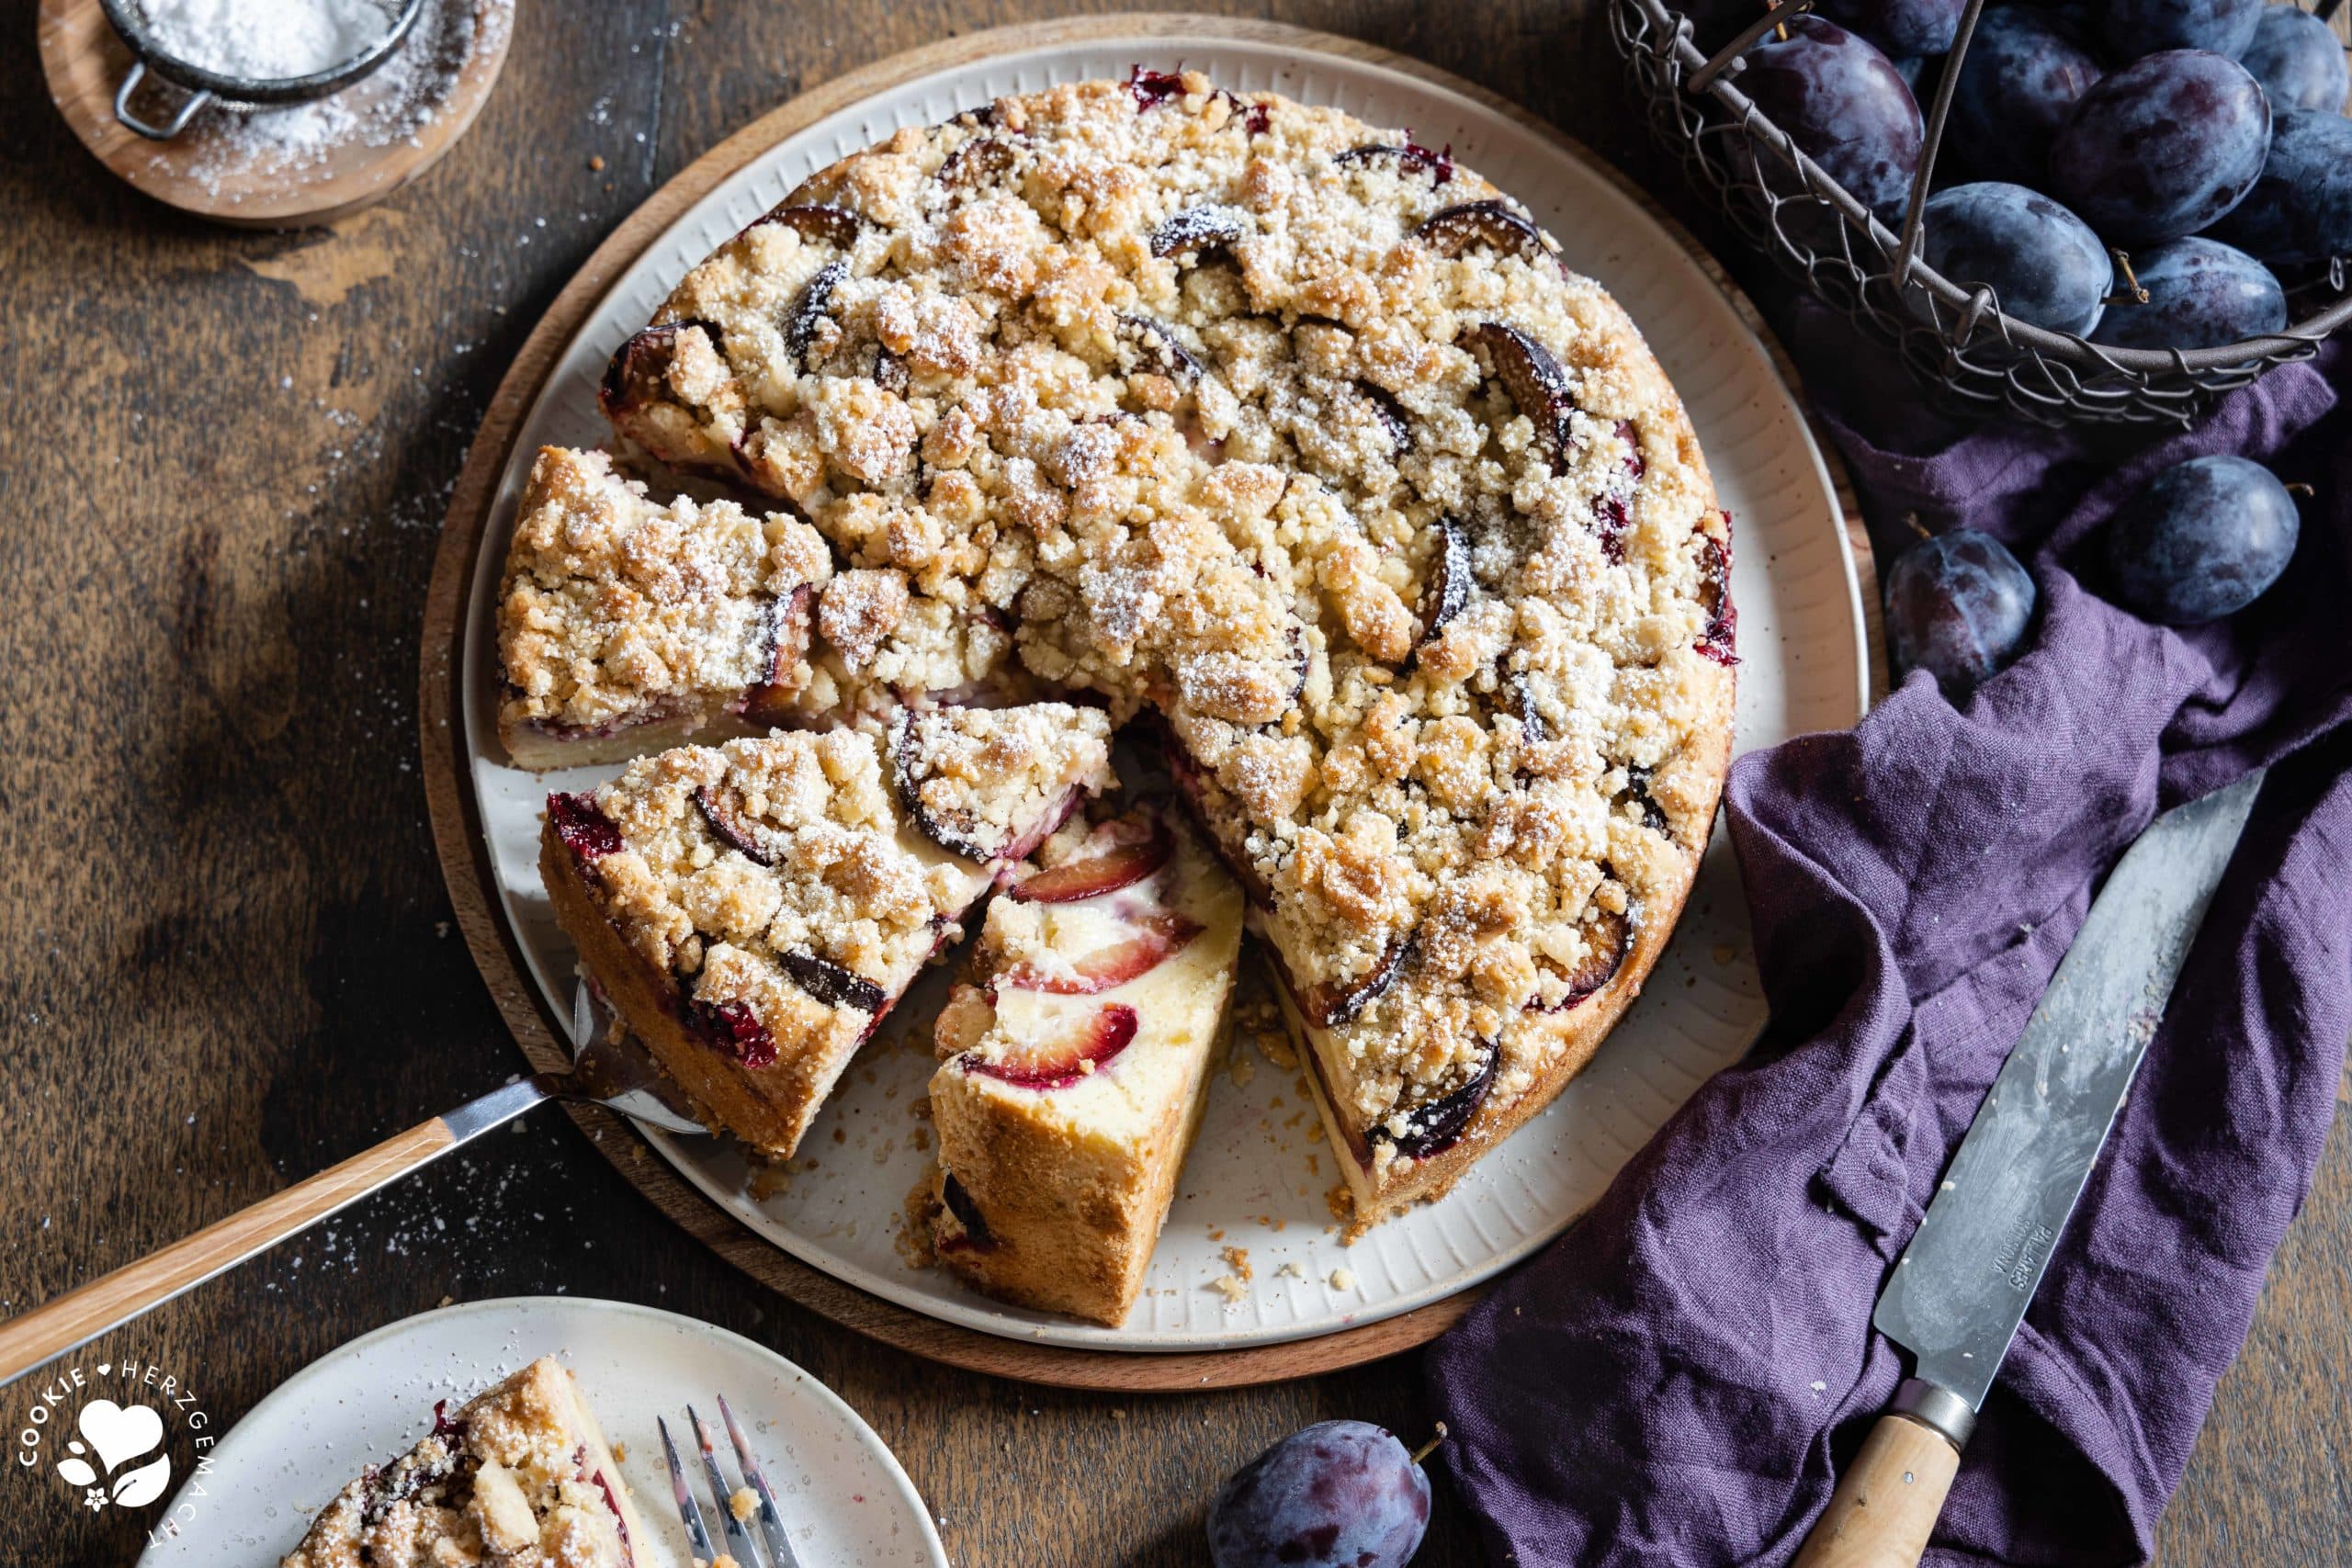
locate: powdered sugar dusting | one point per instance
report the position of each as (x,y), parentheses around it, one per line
(266,41)
(294,144)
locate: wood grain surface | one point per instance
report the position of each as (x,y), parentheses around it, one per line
(226,956)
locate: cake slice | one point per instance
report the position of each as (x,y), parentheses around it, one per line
(520,1475)
(752,910)
(626,625)
(1075,1064)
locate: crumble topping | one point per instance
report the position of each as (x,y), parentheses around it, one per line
(791,878)
(614,606)
(509,1479)
(1302,437)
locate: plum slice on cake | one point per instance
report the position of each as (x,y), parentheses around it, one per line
(752,910)
(1075,1062)
(520,1475)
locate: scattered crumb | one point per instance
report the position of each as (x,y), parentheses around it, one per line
(596,164)
(1237,1260)
(445,1300)
(1726,953)
(1290,1270)
(1343,1280)
(766,1182)
(1342,1206)
(620,1453)
(1234,1292)
(921,1109)
(1118,1414)
(743,1503)
(920,1140)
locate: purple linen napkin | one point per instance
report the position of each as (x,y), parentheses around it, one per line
(1679,1378)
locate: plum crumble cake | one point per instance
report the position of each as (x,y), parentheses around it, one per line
(1076,1057)
(752,910)
(519,1478)
(1300,439)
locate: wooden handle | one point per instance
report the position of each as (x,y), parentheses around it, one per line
(81,1314)
(1886,1503)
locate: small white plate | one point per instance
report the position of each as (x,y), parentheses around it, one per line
(843,1497)
(1258,1175)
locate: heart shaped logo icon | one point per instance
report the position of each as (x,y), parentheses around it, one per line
(118,1434)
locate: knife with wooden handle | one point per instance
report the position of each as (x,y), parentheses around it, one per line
(1960,1288)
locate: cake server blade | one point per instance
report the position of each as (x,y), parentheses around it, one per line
(1961,1286)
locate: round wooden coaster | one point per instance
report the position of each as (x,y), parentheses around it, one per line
(201,170)
(457,827)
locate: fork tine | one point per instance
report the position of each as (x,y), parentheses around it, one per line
(697,1535)
(771,1520)
(740,1545)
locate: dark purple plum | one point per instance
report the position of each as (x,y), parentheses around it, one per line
(1450,580)
(2135,28)
(2203,540)
(1409,157)
(731,1026)
(830,983)
(1538,383)
(2043,263)
(1957,606)
(1493,224)
(1147,344)
(582,827)
(1899,27)
(2163,147)
(1841,100)
(2299,61)
(2301,209)
(1330,1003)
(1607,937)
(2201,294)
(1210,226)
(2022,74)
(815,302)
(1338,1494)
(1436,1125)
(1392,416)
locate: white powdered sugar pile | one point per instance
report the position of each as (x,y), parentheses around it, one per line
(229,148)
(266,41)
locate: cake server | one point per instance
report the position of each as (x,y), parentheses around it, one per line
(1960,1288)
(608,1069)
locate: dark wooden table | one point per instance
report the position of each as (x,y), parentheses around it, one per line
(225,951)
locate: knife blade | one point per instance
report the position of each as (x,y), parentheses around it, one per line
(1961,1286)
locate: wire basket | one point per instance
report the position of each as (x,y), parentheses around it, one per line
(1956,340)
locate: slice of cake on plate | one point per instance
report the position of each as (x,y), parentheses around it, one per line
(753,911)
(626,625)
(520,1475)
(1076,1058)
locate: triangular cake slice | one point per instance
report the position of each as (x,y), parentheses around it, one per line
(520,1474)
(1076,1059)
(626,625)
(752,910)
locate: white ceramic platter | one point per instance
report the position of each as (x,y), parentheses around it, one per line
(843,1497)
(1258,1174)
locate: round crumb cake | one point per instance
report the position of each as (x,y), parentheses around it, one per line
(1297,440)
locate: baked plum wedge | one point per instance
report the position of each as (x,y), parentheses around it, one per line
(1409,157)
(1155,938)
(1496,225)
(1607,939)
(1450,580)
(1435,1125)
(1539,385)
(1210,226)
(1130,851)
(942,763)
(1063,1061)
(1330,1003)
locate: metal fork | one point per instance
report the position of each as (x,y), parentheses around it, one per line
(739,1541)
(608,1069)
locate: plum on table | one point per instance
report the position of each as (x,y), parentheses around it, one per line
(1841,100)
(2135,28)
(1337,1494)
(2201,294)
(2043,263)
(1901,27)
(2299,61)
(2206,538)
(1958,606)
(2300,210)
(2163,147)
(2022,73)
